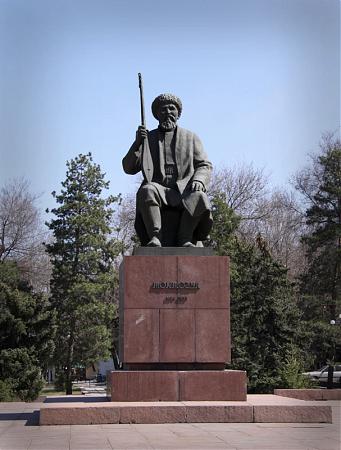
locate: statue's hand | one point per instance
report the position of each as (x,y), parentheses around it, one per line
(141,134)
(197,186)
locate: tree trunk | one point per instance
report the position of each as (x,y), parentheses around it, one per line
(68,381)
(115,359)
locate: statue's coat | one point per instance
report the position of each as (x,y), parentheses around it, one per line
(192,165)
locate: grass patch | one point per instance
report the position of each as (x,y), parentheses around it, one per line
(50,390)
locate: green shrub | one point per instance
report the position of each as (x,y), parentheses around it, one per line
(20,370)
(6,391)
(291,374)
(59,383)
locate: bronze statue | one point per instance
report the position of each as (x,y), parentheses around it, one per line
(172,208)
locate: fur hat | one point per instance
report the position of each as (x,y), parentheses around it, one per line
(166,98)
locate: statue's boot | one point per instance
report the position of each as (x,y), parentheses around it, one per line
(187,226)
(151,216)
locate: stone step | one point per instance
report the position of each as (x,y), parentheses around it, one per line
(310,394)
(257,408)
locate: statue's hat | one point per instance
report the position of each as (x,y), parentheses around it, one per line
(166,98)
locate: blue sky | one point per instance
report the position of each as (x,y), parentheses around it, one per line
(259,81)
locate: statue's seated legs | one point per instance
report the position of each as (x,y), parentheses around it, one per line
(149,206)
(186,229)
(167,225)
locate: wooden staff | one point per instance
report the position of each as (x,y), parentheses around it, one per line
(147,163)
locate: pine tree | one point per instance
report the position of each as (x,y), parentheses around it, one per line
(321,186)
(83,278)
(26,335)
(264,316)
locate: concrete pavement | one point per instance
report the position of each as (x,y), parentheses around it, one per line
(19,430)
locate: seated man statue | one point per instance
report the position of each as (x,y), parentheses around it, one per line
(180,173)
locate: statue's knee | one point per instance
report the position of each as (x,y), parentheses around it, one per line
(198,196)
(202,195)
(148,194)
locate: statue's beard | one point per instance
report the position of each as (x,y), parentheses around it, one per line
(168,124)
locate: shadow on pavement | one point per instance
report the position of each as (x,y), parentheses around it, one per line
(76,399)
(32,418)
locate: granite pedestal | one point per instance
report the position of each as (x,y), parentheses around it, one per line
(175,328)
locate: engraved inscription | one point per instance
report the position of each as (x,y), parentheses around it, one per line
(175,285)
(177,300)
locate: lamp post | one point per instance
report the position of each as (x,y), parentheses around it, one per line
(336,321)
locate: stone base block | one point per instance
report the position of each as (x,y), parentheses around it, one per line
(213,385)
(167,385)
(310,394)
(292,414)
(258,408)
(79,414)
(218,412)
(153,413)
(143,386)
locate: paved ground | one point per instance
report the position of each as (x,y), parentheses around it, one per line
(19,430)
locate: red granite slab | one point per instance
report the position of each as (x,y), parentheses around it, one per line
(212,335)
(177,335)
(310,394)
(141,335)
(148,386)
(210,272)
(291,413)
(79,414)
(213,385)
(218,412)
(167,385)
(140,272)
(144,413)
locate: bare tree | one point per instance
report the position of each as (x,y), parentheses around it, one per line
(36,268)
(274,216)
(309,180)
(244,188)
(123,224)
(21,232)
(281,229)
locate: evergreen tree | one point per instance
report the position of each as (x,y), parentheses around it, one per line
(83,278)
(322,340)
(321,186)
(264,317)
(26,335)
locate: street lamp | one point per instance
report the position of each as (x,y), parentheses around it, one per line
(336,321)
